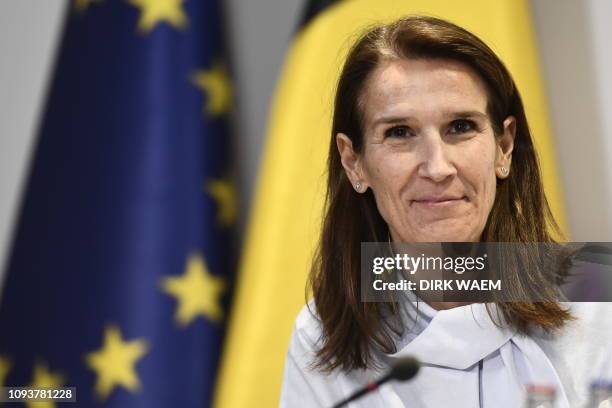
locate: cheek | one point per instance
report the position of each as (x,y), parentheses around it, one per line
(479,168)
(386,173)
(387,176)
(490,190)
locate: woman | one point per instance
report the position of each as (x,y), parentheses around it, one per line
(430,143)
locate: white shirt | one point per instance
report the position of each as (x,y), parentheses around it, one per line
(467,361)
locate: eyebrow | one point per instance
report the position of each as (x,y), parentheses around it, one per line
(403,119)
(469,114)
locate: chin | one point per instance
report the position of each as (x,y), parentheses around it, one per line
(448,233)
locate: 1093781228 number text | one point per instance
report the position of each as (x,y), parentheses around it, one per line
(32,394)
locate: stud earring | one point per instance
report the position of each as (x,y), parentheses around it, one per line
(358,186)
(504,170)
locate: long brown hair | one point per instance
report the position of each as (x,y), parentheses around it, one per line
(352,329)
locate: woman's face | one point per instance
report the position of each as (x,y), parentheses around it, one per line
(430,155)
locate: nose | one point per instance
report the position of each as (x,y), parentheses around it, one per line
(435,161)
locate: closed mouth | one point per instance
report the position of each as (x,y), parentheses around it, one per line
(439,201)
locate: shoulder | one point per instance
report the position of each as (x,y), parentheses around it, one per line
(304,385)
(581,351)
(593,314)
(592,326)
(307,332)
(591,333)
(588,336)
(308,318)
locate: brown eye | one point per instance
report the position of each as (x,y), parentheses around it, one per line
(397,132)
(462,126)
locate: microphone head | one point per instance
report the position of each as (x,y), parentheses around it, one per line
(404,369)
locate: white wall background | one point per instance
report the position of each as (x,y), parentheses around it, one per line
(577,62)
(28,37)
(574,46)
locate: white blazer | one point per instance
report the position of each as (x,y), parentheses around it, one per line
(467,361)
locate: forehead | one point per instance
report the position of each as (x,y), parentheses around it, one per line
(422,87)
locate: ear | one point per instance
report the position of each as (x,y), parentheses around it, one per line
(351,162)
(505,145)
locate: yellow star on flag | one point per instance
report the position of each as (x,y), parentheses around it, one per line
(43,378)
(153,12)
(215,83)
(115,362)
(82,5)
(224,193)
(5,367)
(197,291)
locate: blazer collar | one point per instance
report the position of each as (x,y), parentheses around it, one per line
(457,338)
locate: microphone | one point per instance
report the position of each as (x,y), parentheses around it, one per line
(403,370)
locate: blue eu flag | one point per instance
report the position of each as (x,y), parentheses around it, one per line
(118,274)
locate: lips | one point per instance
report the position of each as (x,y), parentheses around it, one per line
(439,201)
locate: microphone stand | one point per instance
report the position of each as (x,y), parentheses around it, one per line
(405,369)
